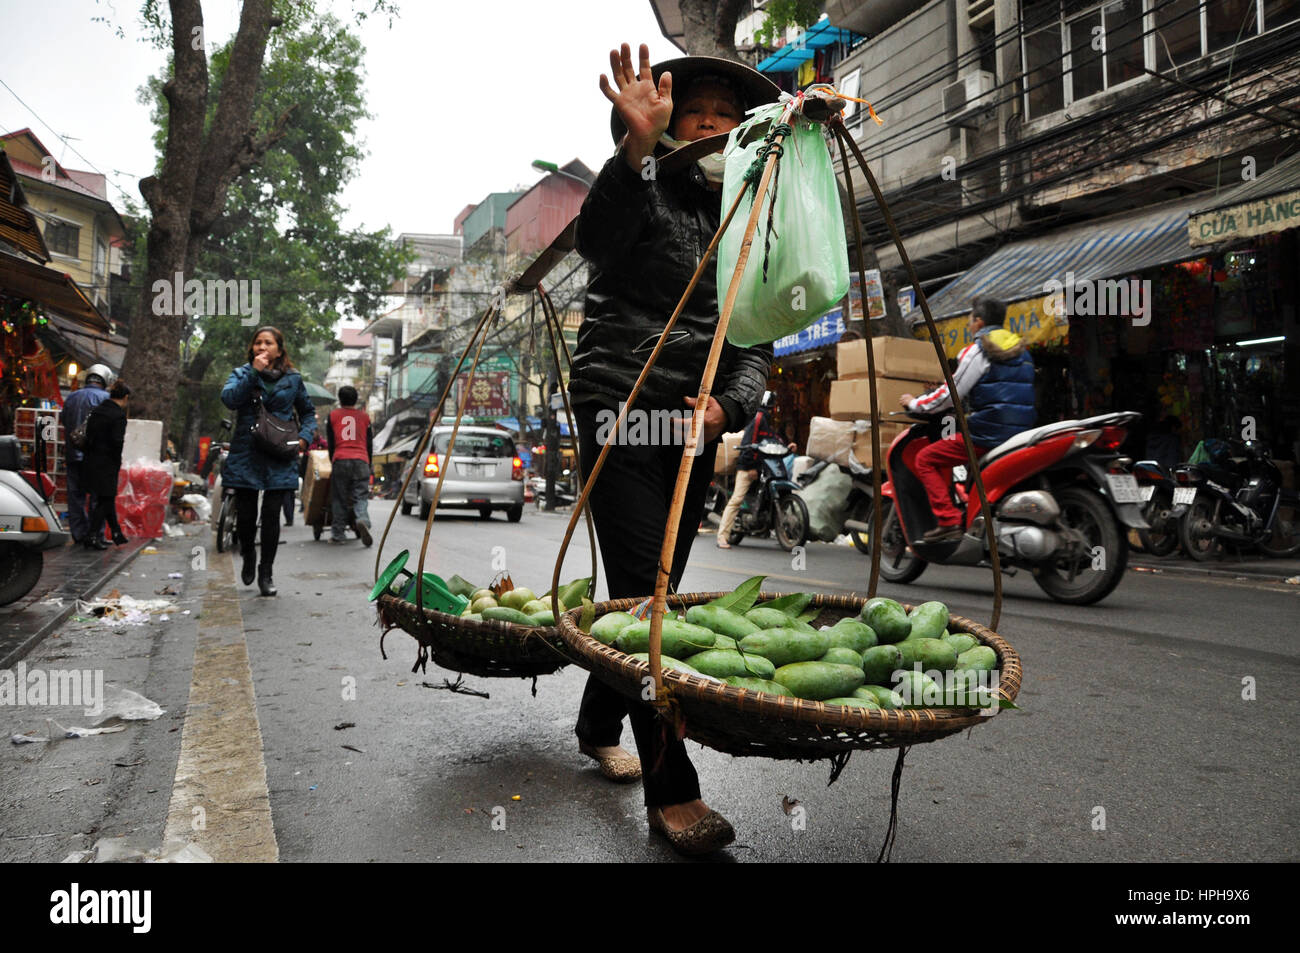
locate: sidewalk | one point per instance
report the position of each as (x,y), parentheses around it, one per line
(1251,564)
(70,573)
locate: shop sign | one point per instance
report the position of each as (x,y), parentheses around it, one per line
(1033,320)
(827,329)
(487,395)
(1273,214)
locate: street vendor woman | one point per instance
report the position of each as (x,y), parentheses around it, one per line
(643,229)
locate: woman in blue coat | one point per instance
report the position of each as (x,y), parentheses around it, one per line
(269,374)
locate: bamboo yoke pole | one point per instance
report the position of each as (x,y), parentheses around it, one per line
(837,126)
(664,568)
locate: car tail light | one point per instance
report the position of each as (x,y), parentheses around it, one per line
(1111,438)
(35,524)
(517,468)
(431,465)
(1084,438)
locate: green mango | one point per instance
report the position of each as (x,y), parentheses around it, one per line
(960,642)
(668,662)
(533,606)
(819,680)
(542,617)
(842,656)
(678,639)
(887,619)
(979,659)
(882,696)
(721,621)
(917,689)
(880,662)
(767,618)
(758,685)
(480,593)
(607,627)
(851,634)
(483,602)
(721,663)
(725,642)
(506,614)
(854,701)
(783,646)
(929,620)
(931,653)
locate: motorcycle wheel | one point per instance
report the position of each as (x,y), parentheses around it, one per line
(897,563)
(20,570)
(227,541)
(1284,540)
(1075,582)
(1196,531)
(1162,538)
(791,519)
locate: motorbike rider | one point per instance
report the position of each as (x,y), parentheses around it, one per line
(995,375)
(759,430)
(76,409)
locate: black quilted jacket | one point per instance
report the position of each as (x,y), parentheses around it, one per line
(644,239)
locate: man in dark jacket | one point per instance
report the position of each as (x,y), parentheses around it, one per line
(995,375)
(76,410)
(643,229)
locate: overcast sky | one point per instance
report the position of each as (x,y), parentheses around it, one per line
(464,94)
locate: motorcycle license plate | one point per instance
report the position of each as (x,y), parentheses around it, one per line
(1147,492)
(1184,495)
(1123,488)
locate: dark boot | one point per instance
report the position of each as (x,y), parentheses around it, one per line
(249,569)
(264,583)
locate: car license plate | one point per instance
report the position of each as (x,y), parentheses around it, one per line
(1123,488)
(1147,492)
(473,469)
(1184,495)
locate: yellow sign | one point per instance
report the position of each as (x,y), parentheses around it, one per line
(1036,321)
(1251,218)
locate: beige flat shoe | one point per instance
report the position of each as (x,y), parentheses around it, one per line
(710,833)
(621,768)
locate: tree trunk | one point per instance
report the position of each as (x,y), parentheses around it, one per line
(189,193)
(710,27)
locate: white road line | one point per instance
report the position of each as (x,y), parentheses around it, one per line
(220,800)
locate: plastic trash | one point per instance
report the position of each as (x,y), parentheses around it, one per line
(201,505)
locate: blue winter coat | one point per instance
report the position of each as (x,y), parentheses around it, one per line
(1002,402)
(247,467)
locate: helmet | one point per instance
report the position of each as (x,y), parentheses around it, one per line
(101,373)
(769,399)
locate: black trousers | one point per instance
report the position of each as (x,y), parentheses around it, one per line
(105,508)
(629,506)
(246,523)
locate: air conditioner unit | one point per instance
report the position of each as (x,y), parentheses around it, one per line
(964,98)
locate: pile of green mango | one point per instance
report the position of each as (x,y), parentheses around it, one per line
(519,605)
(773,647)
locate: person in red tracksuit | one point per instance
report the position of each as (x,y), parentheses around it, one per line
(351,444)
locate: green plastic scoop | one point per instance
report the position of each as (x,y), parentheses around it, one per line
(396,580)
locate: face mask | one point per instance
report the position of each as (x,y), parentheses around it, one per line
(712,165)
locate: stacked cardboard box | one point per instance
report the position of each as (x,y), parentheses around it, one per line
(316,486)
(903,366)
(724,463)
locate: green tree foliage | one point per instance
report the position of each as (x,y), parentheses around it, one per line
(780,15)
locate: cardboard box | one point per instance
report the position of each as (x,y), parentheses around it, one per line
(902,358)
(316,486)
(862,442)
(851,400)
(830,439)
(724,463)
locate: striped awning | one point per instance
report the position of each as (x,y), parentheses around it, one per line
(1107,248)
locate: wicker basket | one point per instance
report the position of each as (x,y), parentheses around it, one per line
(487,648)
(748,723)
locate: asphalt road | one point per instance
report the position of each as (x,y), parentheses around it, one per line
(1135,742)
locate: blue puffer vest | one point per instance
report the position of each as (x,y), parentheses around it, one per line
(1002,402)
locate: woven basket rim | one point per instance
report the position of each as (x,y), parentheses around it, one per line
(917,721)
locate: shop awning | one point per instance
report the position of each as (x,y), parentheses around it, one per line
(55,290)
(1269,203)
(18,225)
(1106,248)
(89,347)
(395,451)
(790,56)
(823,332)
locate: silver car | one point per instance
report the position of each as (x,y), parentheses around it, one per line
(484,473)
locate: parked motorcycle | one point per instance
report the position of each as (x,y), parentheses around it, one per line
(1059,495)
(772,505)
(565,492)
(1156,487)
(1237,500)
(28,523)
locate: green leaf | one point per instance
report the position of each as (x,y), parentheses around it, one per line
(809,615)
(742,599)
(791,605)
(588,615)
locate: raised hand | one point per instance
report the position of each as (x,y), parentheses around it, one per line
(644,107)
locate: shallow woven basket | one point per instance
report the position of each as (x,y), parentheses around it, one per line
(487,648)
(747,723)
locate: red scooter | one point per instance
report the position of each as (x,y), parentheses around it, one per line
(1059,495)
